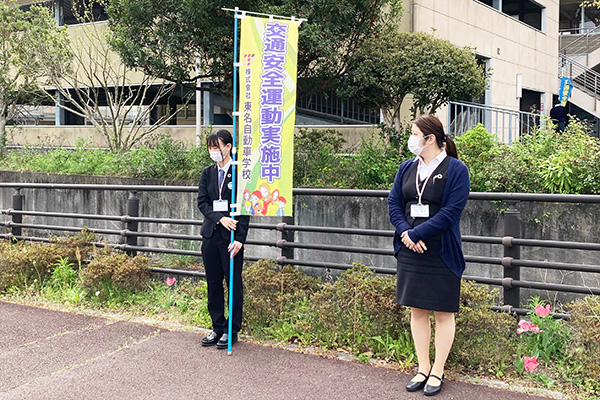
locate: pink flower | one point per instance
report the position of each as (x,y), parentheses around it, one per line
(524,326)
(541,311)
(171,281)
(530,363)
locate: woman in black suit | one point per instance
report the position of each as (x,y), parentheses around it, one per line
(214,194)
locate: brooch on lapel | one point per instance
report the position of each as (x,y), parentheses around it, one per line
(438,176)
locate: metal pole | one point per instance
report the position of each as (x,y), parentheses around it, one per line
(17,205)
(133,210)
(510,128)
(448,120)
(287,236)
(233,174)
(512,229)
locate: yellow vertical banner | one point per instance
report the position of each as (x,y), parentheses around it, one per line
(267,105)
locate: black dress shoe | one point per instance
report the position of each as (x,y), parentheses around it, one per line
(222,344)
(433,390)
(211,339)
(413,386)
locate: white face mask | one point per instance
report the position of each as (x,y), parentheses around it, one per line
(217,156)
(413,144)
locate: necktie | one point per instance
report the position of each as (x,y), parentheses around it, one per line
(221,176)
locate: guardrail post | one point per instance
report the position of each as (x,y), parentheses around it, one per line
(133,210)
(17,205)
(288,236)
(512,229)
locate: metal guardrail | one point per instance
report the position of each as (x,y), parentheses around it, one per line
(330,106)
(580,42)
(507,124)
(510,262)
(583,78)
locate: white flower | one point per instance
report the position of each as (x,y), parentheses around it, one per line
(98,293)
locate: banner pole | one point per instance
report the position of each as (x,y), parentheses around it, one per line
(234,172)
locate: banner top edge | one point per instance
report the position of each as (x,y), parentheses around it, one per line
(243,14)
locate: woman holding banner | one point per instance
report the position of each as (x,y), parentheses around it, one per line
(214,193)
(425,205)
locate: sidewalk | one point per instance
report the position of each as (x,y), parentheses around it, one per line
(47,354)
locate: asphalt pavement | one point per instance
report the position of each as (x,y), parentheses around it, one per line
(48,354)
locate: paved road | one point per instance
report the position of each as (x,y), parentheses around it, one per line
(46,354)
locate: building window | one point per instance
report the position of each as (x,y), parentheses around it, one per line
(526,11)
(82,11)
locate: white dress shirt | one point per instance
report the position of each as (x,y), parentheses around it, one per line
(426,170)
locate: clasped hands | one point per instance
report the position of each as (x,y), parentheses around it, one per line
(418,247)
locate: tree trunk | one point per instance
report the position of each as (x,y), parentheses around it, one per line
(2,136)
(392,118)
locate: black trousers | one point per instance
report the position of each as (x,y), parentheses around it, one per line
(216,265)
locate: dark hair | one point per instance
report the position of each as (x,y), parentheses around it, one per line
(224,135)
(431,125)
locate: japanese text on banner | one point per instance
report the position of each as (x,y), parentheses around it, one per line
(268,105)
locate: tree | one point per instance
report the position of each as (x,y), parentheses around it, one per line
(393,66)
(97,76)
(163,37)
(22,33)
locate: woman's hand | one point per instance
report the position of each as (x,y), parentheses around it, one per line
(234,248)
(228,223)
(418,247)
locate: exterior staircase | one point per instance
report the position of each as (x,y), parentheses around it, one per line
(576,56)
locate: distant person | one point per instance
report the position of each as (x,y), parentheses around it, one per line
(558,114)
(425,205)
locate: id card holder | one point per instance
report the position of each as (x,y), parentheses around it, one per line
(419,210)
(220,205)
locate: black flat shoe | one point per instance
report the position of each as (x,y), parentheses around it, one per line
(412,386)
(211,339)
(433,390)
(222,343)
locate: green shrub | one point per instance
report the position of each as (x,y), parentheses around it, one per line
(585,348)
(17,268)
(116,270)
(478,148)
(373,166)
(482,336)
(62,286)
(163,157)
(355,308)
(316,156)
(22,263)
(542,161)
(158,157)
(273,293)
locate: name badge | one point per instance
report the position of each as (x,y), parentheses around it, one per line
(419,210)
(220,205)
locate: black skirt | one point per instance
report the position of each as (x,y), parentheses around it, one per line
(425,281)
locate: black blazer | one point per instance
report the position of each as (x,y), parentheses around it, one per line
(208,190)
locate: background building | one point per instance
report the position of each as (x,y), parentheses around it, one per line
(527,44)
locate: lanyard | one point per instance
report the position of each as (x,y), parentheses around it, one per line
(420,192)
